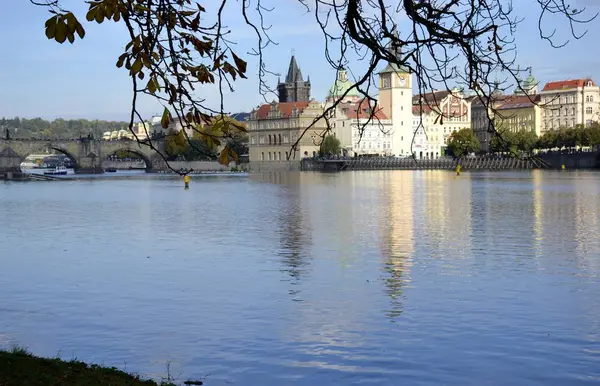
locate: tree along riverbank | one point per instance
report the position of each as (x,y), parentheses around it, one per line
(18,367)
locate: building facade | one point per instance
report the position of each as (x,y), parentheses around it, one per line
(395,101)
(519,113)
(273,129)
(435,116)
(569,103)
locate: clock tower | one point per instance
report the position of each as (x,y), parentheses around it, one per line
(395,100)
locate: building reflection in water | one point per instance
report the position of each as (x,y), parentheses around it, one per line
(397,235)
(538,227)
(586,222)
(292,225)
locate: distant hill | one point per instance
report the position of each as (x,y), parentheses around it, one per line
(240,116)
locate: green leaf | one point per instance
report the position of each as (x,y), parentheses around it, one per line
(136,66)
(51,28)
(61,32)
(151,86)
(166,119)
(80,31)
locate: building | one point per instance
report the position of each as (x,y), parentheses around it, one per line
(361,128)
(274,127)
(481,113)
(435,116)
(568,103)
(341,86)
(294,89)
(519,113)
(395,101)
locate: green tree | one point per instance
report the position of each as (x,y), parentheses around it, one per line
(463,142)
(330,146)
(526,141)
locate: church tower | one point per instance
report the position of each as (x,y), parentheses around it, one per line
(294,89)
(395,99)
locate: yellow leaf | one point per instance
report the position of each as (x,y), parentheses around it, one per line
(91,14)
(224,157)
(151,86)
(136,66)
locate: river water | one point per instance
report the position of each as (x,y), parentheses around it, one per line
(382,278)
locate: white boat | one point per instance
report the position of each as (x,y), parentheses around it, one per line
(45,164)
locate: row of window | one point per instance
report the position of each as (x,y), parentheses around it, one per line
(552,100)
(276,156)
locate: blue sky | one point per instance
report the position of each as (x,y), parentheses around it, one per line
(40,77)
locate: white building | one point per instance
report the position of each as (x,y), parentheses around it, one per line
(395,101)
(435,116)
(568,103)
(362,129)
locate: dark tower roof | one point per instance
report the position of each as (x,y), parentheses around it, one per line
(294,74)
(395,48)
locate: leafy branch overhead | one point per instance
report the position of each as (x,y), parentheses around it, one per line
(176,47)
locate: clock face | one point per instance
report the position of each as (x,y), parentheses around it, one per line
(402,81)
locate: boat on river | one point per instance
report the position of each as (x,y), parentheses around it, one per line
(47,164)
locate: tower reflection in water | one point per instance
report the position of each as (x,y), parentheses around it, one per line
(397,235)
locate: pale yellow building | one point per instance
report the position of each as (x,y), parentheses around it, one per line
(519,113)
(273,128)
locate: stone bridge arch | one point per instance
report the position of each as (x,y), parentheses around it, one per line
(144,157)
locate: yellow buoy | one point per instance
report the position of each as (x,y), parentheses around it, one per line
(458,170)
(563,167)
(186,181)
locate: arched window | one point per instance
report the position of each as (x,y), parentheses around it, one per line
(286,155)
(269,156)
(262,156)
(280,139)
(269,140)
(279,157)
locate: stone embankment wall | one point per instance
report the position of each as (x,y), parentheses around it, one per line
(576,160)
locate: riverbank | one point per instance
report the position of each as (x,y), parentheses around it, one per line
(18,367)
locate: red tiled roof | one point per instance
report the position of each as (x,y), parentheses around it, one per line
(284,108)
(362,110)
(519,101)
(423,109)
(566,84)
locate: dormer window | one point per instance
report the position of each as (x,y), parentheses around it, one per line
(589,83)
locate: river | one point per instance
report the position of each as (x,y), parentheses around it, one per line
(381,277)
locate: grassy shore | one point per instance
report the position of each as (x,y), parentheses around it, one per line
(18,367)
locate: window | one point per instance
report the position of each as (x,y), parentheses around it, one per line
(280,139)
(269,156)
(588,110)
(262,156)
(252,140)
(589,98)
(572,110)
(269,144)
(279,157)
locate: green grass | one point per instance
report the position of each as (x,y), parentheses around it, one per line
(18,367)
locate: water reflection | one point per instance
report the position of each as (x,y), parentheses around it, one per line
(397,235)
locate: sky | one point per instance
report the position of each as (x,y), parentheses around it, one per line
(41,78)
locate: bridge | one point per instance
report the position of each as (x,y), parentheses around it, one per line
(87,154)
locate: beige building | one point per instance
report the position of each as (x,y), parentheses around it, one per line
(568,103)
(435,116)
(273,128)
(519,113)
